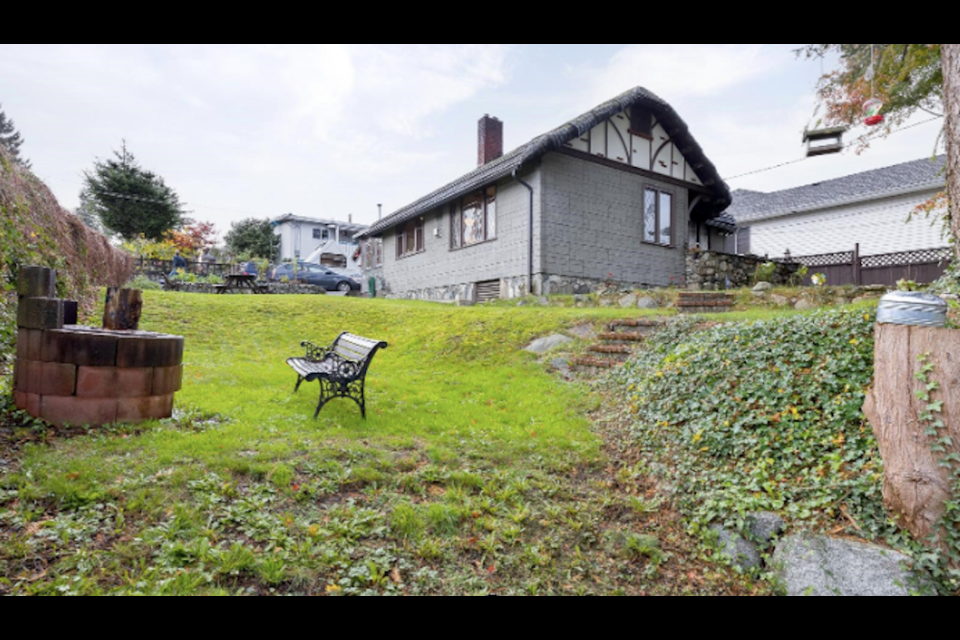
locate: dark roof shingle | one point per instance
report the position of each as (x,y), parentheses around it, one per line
(505,166)
(919,175)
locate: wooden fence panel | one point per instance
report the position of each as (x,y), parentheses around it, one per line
(924,267)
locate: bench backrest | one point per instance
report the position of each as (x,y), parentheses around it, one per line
(357,349)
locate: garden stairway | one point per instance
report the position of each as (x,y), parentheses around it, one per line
(616,345)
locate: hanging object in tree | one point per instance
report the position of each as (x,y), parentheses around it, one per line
(872,113)
(873,108)
(822,142)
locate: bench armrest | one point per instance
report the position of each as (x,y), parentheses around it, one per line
(315,353)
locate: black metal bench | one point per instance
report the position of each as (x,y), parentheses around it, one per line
(341,368)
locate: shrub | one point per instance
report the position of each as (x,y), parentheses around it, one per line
(763,417)
(143,283)
(35,230)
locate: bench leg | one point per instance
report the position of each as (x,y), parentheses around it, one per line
(331,391)
(299,382)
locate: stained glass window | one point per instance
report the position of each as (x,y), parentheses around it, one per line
(474,229)
(650,217)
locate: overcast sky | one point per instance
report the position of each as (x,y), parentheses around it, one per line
(328,130)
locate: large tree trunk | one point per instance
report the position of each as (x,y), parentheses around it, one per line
(915,486)
(951,99)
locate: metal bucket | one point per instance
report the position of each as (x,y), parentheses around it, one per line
(913,309)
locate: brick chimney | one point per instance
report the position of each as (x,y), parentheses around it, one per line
(491,139)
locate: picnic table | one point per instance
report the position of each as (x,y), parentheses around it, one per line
(239,284)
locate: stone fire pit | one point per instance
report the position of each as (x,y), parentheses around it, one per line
(70,374)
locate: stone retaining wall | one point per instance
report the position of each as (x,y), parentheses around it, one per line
(69,374)
(273,288)
(712,271)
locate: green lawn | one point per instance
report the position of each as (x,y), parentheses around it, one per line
(477,472)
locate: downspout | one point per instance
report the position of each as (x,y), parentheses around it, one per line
(516,176)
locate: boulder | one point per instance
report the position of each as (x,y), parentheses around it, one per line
(764,527)
(780,301)
(762,287)
(583,332)
(628,301)
(544,345)
(742,553)
(805,305)
(647,303)
(813,565)
(581,299)
(561,366)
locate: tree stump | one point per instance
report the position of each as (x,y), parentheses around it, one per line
(123,309)
(916,488)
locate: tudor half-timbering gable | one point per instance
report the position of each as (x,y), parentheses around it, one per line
(636,138)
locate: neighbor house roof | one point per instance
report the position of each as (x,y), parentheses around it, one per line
(348,227)
(910,177)
(710,207)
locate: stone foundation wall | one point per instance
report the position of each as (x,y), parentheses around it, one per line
(68,374)
(712,271)
(510,289)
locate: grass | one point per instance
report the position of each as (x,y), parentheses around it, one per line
(477,471)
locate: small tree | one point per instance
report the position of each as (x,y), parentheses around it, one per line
(11,139)
(129,200)
(192,239)
(253,238)
(908,78)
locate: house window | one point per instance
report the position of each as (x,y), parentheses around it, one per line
(410,238)
(475,221)
(658,217)
(378,249)
(321,234)
(743,241)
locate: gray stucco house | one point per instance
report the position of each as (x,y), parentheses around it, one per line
(618,194)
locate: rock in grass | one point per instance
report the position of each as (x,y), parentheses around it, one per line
(812,565)
(765,527)
(780,301)
(805,305)
(742,553)
(647,303)
(583,332)
(544,345)
(762,287)
(628,301)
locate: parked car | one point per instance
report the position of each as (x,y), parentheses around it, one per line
(316,275)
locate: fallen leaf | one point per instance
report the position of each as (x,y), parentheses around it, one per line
(395,576)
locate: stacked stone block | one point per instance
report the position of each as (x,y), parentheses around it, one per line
(68,374)
(698,302)
(714,271)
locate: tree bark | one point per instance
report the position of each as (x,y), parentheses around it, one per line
(122,310)
(951,100)
(915,487)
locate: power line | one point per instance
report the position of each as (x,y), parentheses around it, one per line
(846,146)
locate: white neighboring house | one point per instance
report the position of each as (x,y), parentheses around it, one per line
(331,243)
(872,209)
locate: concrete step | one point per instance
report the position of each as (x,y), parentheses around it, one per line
(622,336)
(634,323)
(612,349)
